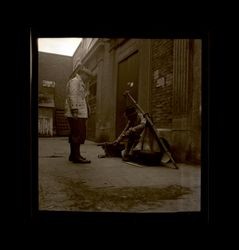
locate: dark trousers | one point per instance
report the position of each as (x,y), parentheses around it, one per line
(77,130)
(133,139)
(77,136)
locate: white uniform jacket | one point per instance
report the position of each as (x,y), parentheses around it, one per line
(76,98)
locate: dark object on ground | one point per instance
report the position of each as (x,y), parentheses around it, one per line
(111,150)
(139,156)
(151,158)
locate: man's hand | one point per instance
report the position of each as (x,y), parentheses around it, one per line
(129,131)
(115,143)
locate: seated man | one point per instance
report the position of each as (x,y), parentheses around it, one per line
(133,129)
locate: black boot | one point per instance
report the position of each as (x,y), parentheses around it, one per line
(71,156)
(71,153)
(77,157)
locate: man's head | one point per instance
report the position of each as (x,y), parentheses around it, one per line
(130,113)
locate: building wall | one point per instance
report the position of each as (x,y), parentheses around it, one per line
(94,61)
(169,88)
(82,50)
(105,99)
(161,83)
(57,68)
(54,70)
(195,149)
(176,95)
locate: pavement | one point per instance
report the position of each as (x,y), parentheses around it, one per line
(110,184)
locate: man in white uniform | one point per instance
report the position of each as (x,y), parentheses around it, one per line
(76,111)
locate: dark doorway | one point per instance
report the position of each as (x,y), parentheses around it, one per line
(128,71)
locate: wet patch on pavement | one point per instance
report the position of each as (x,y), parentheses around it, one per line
(85,198)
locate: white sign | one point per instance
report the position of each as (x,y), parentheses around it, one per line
(50,84)
(160,82)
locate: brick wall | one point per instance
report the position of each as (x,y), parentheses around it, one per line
(162,81)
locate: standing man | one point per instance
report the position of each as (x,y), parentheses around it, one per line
(77,112)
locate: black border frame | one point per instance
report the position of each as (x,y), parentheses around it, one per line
(27,176)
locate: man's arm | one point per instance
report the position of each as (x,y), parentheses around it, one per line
(140,126)
(122,135)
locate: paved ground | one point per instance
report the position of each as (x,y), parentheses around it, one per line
(109,184)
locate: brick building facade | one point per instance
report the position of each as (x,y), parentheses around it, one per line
(167,84)
(162,82)
(176,94)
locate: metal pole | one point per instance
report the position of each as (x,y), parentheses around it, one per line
(156,133)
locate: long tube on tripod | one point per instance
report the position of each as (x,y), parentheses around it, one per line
(146,115)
